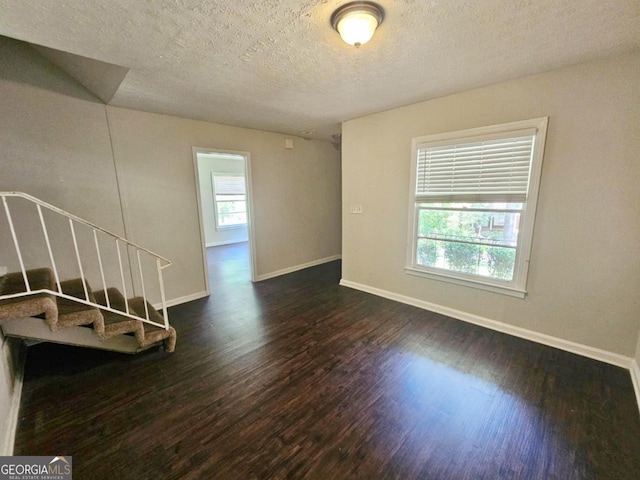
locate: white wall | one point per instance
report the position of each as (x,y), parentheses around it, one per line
(209,164)
(585,267)
(133,172)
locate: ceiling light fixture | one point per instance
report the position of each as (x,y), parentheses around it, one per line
(357,21)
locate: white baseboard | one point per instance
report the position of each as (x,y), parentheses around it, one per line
(635,379)
(579,349)
(180,300)
(8,442)
(284,271)
(225,242)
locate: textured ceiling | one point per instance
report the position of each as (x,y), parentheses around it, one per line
(277,65)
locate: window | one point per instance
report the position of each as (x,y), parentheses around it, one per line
(472,205)
(230,199)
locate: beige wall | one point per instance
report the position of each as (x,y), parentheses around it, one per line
(56,146)
(585,268)
(296,192)
(79,155)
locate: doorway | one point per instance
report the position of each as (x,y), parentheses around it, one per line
(223,184)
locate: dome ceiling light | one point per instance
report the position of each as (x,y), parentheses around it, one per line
(357,21)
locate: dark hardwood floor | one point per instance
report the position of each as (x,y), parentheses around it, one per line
(297,377)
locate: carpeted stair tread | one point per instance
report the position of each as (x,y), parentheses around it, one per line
(116,300)
(74,288)
(33,305)
(114,323)
(72,313)
(153,334)
(39,279)
(137,303)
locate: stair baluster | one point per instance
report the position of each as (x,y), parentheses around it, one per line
(71,303)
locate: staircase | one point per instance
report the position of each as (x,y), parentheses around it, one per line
(49,303)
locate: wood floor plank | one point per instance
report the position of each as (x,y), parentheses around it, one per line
(299,378)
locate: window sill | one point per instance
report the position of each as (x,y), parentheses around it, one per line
(504,290)
(232,227)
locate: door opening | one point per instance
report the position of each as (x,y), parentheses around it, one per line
(223,184)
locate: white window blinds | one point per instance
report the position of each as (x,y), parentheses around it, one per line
(229,185)
(490,169)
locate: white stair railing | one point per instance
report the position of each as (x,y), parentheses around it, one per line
(118,261)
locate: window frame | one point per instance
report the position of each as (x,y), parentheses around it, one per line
(215,200)
(517,286)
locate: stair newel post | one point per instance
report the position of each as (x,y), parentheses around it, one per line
(75,245)
(17,245)
(46,238)
(104,283)
(144,294)
(162,297)
(124,288)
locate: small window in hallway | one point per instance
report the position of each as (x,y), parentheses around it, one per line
(230,199)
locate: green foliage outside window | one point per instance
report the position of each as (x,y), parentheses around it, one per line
(427,252)
(462,257)
(468,241)
(501,261)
